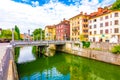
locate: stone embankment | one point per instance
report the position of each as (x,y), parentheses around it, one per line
(102,55)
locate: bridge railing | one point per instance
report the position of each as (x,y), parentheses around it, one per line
(45,42)
(4,65)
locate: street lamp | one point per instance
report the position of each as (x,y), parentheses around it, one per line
(41,34)
(12,34)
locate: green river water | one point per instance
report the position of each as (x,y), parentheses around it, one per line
(64,66)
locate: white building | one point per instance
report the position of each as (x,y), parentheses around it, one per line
(103,25)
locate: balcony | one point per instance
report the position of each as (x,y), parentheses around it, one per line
(74,29)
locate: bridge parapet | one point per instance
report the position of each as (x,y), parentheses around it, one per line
(36,43)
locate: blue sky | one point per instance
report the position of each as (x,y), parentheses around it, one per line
(31,14)
(42,2)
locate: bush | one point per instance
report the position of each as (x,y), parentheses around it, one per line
(86,44)
(116,49)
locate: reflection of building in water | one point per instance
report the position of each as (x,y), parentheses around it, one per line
(51,74)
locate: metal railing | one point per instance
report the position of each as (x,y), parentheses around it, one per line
(4,65)
(15,43)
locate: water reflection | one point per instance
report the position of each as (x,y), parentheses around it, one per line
(51,74)
(26,54)
(67,67)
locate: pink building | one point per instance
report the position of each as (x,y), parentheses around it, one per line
(63,30)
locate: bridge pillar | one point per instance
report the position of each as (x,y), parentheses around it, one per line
(50,50)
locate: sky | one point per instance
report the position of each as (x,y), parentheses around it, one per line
(32,14)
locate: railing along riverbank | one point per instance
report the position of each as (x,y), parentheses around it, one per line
(7,66)
(4,65)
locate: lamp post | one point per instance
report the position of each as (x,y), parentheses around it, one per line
(41,34)
(12,34)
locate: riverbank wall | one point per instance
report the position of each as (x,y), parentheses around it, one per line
(103,54)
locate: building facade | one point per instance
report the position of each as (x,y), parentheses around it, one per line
(50,32)
(79,27)
(63,30)
(104,25)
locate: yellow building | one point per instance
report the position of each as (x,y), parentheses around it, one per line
(50,32)
(79,27)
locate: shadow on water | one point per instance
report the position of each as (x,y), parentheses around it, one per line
(67,67)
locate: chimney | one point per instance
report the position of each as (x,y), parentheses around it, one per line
(63,19)
(100,9)
(85,14)
(81,12)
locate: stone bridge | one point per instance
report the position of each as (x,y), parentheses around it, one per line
(51,46)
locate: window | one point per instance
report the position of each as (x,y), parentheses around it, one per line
(86,36)
(95,26)
(90,27)
(106,23)
(85,25)
(94,32)
(116,22)
(106,31)
(101,18)
(90,33)
(85,20)
(85,31)
(90,21)
(116,14)
(101,24)
(95,20)
(106,17)
(101,31)
(116,30)
(111,23)
(110,15)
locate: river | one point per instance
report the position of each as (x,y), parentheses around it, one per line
(64,66)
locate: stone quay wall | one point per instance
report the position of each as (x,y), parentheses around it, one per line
(103,45)
(101,55)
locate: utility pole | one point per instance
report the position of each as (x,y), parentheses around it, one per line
(41,34)
(12,34)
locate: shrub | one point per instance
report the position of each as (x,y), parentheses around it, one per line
(86,44)
(116,49)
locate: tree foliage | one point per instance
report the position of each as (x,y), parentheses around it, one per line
(37,34)
(116,49)
(7,34)
(116,5)
(18,31)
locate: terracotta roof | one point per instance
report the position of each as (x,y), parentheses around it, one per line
(50,26)
(64,22)
(101,11)
(81,14)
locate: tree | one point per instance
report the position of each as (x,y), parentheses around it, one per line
(18,31)
(116,5)
(37,34)
(7,34)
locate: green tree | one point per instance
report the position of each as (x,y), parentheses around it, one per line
(37,34)
(18,31)
(7,34)
(116,5)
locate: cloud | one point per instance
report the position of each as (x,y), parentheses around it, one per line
(35,3)
(28,17)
